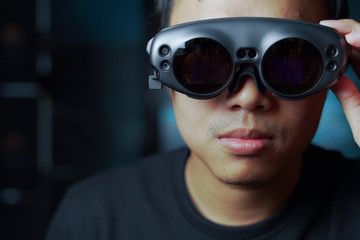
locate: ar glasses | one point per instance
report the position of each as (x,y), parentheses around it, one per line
(292,59)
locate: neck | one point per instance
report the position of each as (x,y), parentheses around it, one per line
(235,205)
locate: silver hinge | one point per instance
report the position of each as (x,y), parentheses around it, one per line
(154,83)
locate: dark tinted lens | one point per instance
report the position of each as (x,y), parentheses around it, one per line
(202,65)
(292,66)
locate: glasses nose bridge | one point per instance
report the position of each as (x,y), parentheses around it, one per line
(244,70)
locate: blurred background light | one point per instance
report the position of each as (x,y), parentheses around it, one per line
(11,196)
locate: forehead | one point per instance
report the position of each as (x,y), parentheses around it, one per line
(192,10)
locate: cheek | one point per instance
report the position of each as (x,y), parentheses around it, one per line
(301,118)
(192,118)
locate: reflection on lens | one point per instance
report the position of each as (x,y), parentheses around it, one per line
(202,66)
(292,66)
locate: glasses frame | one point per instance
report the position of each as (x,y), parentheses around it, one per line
(251,34)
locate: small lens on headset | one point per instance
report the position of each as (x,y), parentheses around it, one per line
(292,66)
(202,65)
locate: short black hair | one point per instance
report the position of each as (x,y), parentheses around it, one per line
(163,11)
(338,9)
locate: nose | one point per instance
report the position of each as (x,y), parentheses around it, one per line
(247,96)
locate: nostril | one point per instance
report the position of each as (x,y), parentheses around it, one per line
(260,107)
(256,108)
(235,108)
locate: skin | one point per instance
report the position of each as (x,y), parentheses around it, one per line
(240,188)
(345,90)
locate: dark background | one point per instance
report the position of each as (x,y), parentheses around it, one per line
(74,101)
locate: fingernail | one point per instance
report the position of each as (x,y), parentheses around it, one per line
(353,38)
(326,22)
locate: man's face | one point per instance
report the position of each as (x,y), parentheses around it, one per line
(247,137)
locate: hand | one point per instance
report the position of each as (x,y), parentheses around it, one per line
(345,90)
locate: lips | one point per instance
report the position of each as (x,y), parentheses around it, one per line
(246,142)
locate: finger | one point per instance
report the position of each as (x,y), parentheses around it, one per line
(351,30)
(349,98)
(347,27)
(343,26)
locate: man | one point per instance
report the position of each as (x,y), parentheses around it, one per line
(249,172)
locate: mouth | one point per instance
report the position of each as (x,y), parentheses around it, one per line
(245,141)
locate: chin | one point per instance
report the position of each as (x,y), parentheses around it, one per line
(250,171)
(245,177)
(254,181)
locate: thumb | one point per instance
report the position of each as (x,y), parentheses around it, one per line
(349,98)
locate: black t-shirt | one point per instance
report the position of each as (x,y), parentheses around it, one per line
(149,200)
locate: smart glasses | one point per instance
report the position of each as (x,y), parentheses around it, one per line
(292,59)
